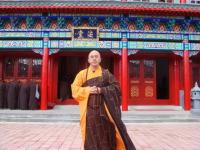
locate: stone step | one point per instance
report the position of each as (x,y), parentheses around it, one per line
(71,114)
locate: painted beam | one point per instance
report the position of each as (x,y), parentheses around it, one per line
(155,36)
(21,44)
(34,34)
(168,36)
(67,44)
(155,45)
(194,37)
(194,46)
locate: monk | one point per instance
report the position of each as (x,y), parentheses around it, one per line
(99,97)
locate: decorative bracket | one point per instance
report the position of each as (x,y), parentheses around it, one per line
(116,51)
(132,51)
(193,53)
(179,53)
(51,51)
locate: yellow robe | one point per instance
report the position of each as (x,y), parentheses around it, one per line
(81,95)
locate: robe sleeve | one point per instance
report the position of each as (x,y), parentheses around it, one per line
(112,97)
(79,93)
(112,85)
(112,93)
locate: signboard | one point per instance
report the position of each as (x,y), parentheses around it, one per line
(85,33)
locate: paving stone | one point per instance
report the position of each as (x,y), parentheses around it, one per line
(66,136)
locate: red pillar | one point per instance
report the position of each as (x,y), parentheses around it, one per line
(186,77)
(44,80)
(182,1)
(177,81)
(124,80)
(50,80)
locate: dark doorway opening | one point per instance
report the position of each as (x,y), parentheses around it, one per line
(69,66)
(162,78)
(108,63)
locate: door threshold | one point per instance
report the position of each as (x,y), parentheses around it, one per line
(156,108)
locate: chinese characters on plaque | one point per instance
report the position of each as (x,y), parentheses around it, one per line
(85,33)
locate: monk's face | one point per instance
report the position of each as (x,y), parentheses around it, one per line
(94,58)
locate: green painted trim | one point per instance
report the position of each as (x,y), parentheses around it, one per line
(103,35)
(194,37)
(21,44)
(155,36)
(64,44)
(155,45)
(85,44)
(194,46)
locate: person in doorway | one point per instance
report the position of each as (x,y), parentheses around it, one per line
(99,97)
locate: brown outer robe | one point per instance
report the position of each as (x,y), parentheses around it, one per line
(81,94)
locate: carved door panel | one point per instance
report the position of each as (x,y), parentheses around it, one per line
(142,77)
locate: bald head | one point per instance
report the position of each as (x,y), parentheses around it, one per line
(94,52)
(94,58)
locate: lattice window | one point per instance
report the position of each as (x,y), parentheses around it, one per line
(134,70)
(23,64)
(193,2)
(36,67)
(9,67)
(148,68)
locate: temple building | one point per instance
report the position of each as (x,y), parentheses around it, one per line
(151,46)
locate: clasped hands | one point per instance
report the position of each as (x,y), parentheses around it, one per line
(95,90)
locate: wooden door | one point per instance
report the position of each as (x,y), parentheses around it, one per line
(142,85)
